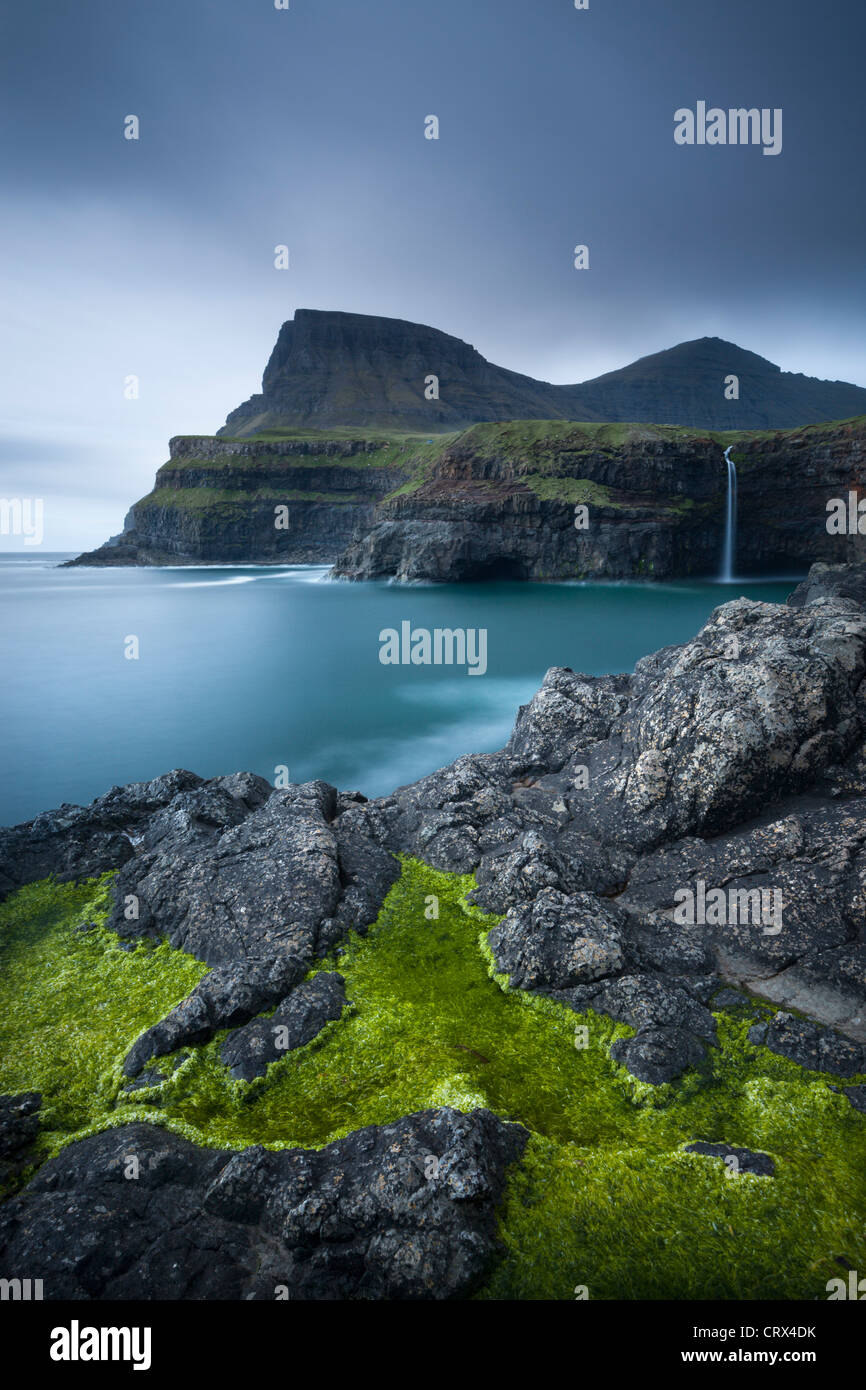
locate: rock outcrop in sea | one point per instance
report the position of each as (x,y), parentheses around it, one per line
(729,770)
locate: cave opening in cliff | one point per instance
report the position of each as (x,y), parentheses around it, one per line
(482,571)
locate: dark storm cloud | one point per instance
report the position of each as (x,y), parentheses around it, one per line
(305,127)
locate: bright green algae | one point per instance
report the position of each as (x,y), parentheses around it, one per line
(605,1197)
(72,1003)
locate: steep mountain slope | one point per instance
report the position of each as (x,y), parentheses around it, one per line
(332,369)
(684,386)
(335,369)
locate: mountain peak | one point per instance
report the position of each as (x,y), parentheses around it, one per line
(335,368)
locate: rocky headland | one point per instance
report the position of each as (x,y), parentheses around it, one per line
(561,501)
(499,501)
(342,459)
(730,770)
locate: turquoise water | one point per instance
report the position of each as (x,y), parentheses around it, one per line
(255,668)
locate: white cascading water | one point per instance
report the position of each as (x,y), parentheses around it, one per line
(729,551)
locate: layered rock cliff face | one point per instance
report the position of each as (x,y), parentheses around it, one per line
(279,499)
(501,502)
(331,369)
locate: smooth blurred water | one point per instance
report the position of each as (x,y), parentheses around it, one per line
(250,668)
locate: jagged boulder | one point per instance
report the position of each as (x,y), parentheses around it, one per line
(556,941)
(754,707)
(817,1049)
(399,1211)
(299,1018)
(19,1126)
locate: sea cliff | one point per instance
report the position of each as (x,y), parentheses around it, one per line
(500,500)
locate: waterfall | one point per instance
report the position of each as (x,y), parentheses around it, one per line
(729,551)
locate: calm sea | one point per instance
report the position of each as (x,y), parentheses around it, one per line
(257,668)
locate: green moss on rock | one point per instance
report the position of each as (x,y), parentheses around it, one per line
(73,1000)
(606,1197)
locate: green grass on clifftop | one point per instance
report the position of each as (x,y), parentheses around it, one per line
(548,456)
(605,1197)
(214,500)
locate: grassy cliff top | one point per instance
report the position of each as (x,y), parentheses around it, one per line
(401,451)
(512,435)
(545,455)
(590,436)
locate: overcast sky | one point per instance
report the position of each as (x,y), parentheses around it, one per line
(306,127)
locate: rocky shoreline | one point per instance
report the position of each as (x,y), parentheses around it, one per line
(724,771)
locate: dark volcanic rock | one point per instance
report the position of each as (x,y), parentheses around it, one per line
(259,900)
(19,1126)
(732,999)
(557,942)
(857,1097)
(657,1054)
(356,1220)
(301,1016)
(529,866)
(831,582)
(569,712)
(144,1081)
(761,1165)
(77,842)
(230,995)
(367,872)
(707,740)
(258,888)
(578,950)
(817,1049)
(673,1024)
(648,1001)
(447,819)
